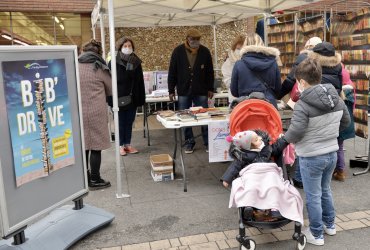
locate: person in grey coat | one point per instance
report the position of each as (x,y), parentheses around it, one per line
(96,85)
(318,117)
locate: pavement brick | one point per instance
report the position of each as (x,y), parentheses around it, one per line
(264,238)
(343,218)
(171,248)
(254,231)
(193,239)
(232,243)
(366,222)
(141,246)
(231,234)
(266,231)
(160,244)
(208,245)
(175,242)
(338,228)
(216,236)
(112,248)
(351,224)
(222,244)
(367,211)
(284,235)
(183,248)
(337,219)
(288,226)
(357,215)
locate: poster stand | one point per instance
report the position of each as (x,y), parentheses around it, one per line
(42,154)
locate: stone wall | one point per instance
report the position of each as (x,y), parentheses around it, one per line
(154,45)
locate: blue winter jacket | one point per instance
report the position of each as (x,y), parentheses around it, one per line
(257,71)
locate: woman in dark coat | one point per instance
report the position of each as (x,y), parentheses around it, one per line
(96,85)
(257,70)
(130,80)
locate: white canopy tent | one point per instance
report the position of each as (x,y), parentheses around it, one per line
(149,13)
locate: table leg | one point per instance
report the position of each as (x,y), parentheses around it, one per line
(145,118)
(182,163)
(145,122)
(174,153)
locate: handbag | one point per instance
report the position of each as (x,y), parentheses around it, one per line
(294,93)
(125,100)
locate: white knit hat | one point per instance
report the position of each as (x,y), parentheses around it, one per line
(244,139)
(313,41)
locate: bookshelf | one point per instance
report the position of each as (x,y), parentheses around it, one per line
(290,37)
(311,26)
(285,37)
(350,34)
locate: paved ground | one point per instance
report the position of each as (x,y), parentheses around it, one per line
(161,215)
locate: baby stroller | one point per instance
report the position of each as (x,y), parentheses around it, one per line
(251,114)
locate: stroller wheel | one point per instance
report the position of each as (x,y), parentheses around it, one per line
(301,243)
(252,245)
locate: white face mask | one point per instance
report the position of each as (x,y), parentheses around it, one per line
(261,146)
(237,52)
(126,51)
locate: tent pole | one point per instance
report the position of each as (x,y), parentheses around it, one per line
(102,34)
(215,47)
(115,109)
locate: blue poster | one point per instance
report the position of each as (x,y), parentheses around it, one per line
(39,117)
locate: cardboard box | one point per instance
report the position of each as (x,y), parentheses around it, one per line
(162,167)
(160,176)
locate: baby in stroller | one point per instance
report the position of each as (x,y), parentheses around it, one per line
(262,192)
(253,146)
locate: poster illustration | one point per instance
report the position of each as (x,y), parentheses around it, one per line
(39,117)
(218,146)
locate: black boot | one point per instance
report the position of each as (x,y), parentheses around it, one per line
(98,183)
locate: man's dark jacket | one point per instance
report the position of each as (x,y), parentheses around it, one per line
(181,76)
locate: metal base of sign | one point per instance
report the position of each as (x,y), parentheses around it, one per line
(61,228)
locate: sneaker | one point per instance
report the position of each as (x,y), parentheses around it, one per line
(189,149)
(297,184)
(98,184)
(318,241)
(207,149)
(131,150)
(122,151)
(330,230)
(339,175)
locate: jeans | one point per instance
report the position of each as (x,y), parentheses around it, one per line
(297,171)
(340,154)
(316,176)
(126,119)
(185,102)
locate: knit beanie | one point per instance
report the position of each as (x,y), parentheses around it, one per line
(243,139)
(313,41)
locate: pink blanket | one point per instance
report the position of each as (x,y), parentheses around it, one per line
(261,185)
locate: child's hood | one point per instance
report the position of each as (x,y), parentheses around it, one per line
(322,96)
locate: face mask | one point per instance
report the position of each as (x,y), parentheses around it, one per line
(261,146)
(194,44)
(299,88)
(126,51)
(237,52)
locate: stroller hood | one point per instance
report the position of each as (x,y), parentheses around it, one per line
(256,114)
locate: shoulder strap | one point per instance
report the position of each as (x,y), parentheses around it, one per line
(261,80)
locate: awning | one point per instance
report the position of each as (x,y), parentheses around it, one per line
(148,13)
